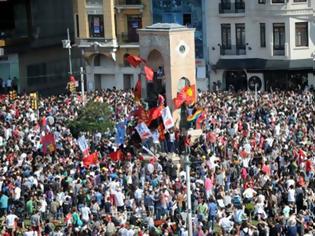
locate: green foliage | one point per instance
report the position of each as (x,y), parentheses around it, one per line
(94,117)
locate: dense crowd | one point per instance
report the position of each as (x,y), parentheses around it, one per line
(252,169)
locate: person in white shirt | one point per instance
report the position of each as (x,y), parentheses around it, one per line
(249,193)
(85,212)
(119,200)
(138,195)
(291,194)
(156,141)
(226,224)
(10,221)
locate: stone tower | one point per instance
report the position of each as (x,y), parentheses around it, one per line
(170,47)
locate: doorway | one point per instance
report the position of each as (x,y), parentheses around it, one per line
(235,80)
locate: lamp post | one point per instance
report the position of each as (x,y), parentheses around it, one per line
(82,85)
(66,43)
(189,220)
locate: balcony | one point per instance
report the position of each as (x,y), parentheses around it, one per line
(234,50)
(128,41)
(129,4)
(96,43)
(232,8)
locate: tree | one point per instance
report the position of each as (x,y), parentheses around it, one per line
(94,117)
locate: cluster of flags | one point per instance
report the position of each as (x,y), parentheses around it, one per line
(145,118)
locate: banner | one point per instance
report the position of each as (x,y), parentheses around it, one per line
(83,145)
(167,118)
(48,143)
(120,133)
(143,131)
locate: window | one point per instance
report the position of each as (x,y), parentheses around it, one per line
(240,35)
(226,35)
(301,34)
(96,25)
(134,23)
(187,19)
(300,1)
(278,1)
(261,1)
(262,35)
(278,36)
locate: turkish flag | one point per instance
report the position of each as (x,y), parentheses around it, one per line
(116,156)
(90,159)
(149,73)
(134,61)
(190,92)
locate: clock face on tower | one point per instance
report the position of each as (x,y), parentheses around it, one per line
(182,48)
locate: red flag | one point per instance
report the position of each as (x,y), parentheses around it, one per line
(90,159)
(149,73)
(141,114)
(134,61)
(138,88)
(116,156)
(48,143)
(155,113)
(180,99)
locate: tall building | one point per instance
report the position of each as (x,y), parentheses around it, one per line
(106,32)
(267,43)
(188,13)
(30,34)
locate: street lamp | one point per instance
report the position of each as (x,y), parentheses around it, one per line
(189,218)
(66,43)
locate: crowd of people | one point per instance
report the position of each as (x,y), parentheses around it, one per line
(252,169)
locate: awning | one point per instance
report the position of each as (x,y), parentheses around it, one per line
(263,64)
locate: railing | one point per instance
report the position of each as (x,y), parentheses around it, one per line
(129,2)
(228,7)
(279,52)
(125,38)
(233,50)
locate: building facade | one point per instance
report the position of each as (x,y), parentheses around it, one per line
(190,14)
(30,34)
(106,32)
(266,44)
